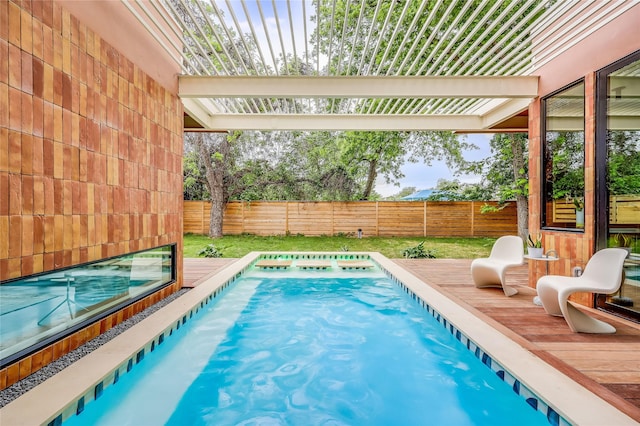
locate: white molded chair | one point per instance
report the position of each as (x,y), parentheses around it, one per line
(506,252)
(603,274)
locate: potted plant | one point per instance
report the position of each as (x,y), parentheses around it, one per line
(623,241)
(578,203)
(534,245)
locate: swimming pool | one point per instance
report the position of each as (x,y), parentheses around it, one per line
(73,389)
(311,348)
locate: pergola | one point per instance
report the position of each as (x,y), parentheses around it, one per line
(406,65)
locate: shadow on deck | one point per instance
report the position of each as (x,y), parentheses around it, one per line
(608,365)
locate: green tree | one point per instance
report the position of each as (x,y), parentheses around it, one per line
(288,166)
(505,173)
(368,155)
(213,159)
(565,171)
(194,182)
(405,191)
(454,190)
(624,162)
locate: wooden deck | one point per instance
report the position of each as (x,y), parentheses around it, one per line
(197,270)
(608,365)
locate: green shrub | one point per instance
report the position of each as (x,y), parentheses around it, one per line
(344,234)
(418,252)
(210,250)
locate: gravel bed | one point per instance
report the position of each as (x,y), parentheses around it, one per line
(14,391)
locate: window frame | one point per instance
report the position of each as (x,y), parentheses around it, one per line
(601,174)
(601,148)
(99,315)
(543,152)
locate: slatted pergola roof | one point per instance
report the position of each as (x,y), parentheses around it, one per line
(466,65)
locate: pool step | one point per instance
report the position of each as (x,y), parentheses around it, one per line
(355,264)
(313,264)
(273,264)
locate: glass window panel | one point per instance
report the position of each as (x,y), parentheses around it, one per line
(623,177)
(563,180)
(38,308)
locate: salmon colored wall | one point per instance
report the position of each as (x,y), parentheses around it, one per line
(573,248)
(611,42)
(147,53)
(90,149)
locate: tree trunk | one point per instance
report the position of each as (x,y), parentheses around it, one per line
(522,208)
(371,180)
(522,200)
(213,160)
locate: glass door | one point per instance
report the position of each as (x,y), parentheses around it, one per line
(619,159)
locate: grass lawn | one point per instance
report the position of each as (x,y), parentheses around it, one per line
(234,246)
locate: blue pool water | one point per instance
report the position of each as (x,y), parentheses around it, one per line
(314,349)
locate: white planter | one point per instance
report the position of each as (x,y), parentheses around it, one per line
(535,252)
(579,218)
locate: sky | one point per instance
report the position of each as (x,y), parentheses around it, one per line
(422,176)
(284,10)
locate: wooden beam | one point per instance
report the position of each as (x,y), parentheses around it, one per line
(358,87)
(344,122)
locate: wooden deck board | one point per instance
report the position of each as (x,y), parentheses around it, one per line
(605,364)
(197,270)
(588,346)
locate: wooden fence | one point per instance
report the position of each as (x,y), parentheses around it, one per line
(623,210)
(374,218)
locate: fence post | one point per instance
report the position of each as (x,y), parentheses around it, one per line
(473,219)
(424,220)
(613,208)
(333,220)
(202,213)
(286,217)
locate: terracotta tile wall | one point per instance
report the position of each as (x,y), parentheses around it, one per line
(90,153)
(573,248)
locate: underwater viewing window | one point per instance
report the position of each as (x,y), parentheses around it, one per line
(563,158)
(39,309)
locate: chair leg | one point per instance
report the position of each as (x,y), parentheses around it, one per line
(580,322)
(490,277)
(549,297)
(509,291)
(485,277)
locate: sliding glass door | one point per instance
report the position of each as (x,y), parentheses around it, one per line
(618,175)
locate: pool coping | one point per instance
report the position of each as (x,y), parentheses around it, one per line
(87,378)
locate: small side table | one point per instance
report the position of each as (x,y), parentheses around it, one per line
(547,257)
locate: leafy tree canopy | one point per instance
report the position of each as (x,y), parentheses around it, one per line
(504,179)
(624,162)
